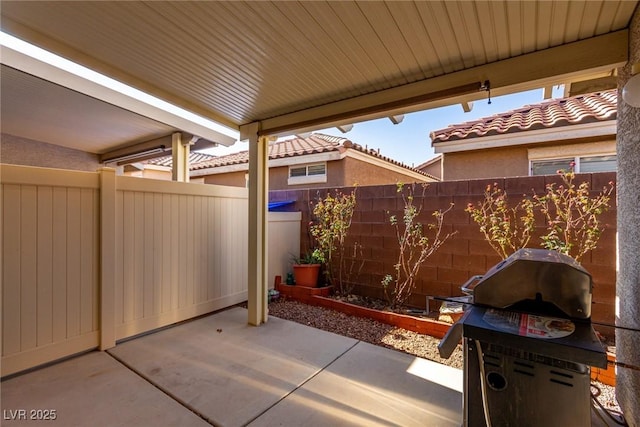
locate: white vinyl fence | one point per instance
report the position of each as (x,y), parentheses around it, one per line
(91,258)
(181,252)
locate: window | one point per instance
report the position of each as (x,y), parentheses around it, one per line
(550,167)
(588,164)
(598,164)
(316,170)
(307,174)
(296,172)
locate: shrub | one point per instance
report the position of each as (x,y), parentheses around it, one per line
(330,227)
(571,214)
(415,246)
(506,229)
(572,226)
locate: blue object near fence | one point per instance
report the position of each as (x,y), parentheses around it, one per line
(284,206)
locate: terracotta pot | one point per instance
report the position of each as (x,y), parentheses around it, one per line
(306,274)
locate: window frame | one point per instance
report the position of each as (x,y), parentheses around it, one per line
(306,178)
(576,159)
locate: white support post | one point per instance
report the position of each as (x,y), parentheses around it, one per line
(258,195)
(107,257)
(186,150)
(180,161)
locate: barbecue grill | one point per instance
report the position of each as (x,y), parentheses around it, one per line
(528,343)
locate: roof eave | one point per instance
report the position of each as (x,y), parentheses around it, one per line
(560,133)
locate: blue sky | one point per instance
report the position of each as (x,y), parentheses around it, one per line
(409,141)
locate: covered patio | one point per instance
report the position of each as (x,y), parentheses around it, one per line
(254,71)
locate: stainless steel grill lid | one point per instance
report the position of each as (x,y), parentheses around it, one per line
(539,277)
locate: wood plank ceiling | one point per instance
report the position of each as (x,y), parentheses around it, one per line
(240,62)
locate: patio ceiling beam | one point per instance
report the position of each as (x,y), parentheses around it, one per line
(555,65)
(593,85)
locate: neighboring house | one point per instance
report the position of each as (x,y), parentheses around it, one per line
(160,168)
(432,166)
(315,161)
(532,140)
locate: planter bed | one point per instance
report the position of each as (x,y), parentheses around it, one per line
(319,297)
(430,327)
(300,293)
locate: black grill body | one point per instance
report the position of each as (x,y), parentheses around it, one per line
(527,381)
(528,343)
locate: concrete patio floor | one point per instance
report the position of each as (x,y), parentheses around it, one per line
(219,371)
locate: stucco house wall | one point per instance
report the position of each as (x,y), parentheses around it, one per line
(497,162)
(627,296)
(232,179)
(150,173)
(15,150)
(363,173)
(432,167)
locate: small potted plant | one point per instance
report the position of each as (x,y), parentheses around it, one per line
(306,269)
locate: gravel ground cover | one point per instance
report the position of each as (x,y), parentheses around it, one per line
(388,336)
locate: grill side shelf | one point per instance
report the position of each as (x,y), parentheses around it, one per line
(582,346)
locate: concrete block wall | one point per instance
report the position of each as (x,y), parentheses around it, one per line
(466,253)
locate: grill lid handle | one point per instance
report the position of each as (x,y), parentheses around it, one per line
(452,338)
(467,288)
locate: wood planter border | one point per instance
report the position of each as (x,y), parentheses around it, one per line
(430,327)
(300,293)
(606,376)
(319,297)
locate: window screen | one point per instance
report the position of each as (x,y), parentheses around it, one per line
(316,170)
(301,171)
(598,164)
(550,167)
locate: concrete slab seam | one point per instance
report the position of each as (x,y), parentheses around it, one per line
(163,391)
(303,383)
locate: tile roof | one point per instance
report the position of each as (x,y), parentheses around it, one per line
(579,109)
(298,146)
(167,161)
(316,143)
